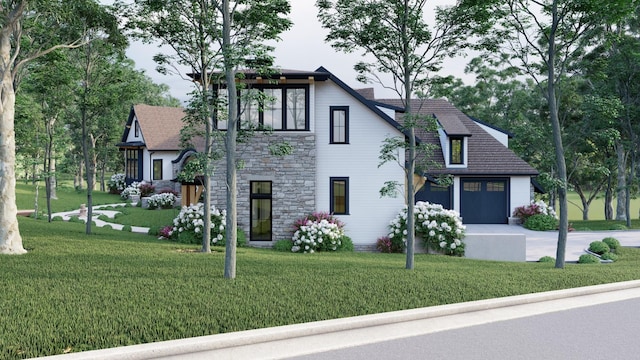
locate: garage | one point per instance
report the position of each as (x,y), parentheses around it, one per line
(484,200)
(435,194)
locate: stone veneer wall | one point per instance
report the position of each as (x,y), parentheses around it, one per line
(293,180)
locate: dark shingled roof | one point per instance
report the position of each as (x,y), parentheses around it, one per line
(486,155)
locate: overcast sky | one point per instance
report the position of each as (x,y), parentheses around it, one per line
(301,48)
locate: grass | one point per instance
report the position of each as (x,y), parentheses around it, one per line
(596,210)
(136,216)
(74,292)
(68,198)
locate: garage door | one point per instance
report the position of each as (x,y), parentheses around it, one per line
(484,201)
(435,194)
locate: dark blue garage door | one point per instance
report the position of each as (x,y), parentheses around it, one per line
(484,201)
(435,194)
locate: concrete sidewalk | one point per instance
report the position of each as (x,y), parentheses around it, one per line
(544,243)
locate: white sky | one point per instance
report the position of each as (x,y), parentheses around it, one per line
(301,48)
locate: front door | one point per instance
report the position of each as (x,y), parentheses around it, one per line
(260,211)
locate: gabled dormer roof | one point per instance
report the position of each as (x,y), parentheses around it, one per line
(486,155)
(159,127)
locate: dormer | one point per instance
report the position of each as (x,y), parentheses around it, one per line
(454,141)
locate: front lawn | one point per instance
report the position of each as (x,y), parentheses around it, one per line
(75,292)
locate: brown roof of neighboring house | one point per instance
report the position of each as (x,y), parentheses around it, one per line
(160,126)
(486,155)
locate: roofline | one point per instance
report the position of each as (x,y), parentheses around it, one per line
(279,74)
(368,103)
(508,133)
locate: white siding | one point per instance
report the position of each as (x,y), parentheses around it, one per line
(520,192)
(167,168)
(498,135)
(132,132)
(369,214)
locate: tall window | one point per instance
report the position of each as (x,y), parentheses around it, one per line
(260,211)
(137,128)
(133,164)
(157,169)
(339,125)
(339,195)
(457,150)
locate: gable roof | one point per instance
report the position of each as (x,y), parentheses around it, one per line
(486,155)
(159,125)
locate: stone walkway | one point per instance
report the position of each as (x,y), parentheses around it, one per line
(100,210)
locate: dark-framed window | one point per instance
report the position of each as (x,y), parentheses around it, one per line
(339,125)
(133,169)
(157,169)
(279,108)
(339,195)
(456,149)
(261,211)
(137,128)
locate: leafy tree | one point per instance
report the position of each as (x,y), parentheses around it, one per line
(543,38)
(213,38)
(31,29)
(405,48)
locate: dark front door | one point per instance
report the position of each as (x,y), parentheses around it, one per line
(484,201)
(260,211)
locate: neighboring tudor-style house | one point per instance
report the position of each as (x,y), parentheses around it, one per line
(336,134)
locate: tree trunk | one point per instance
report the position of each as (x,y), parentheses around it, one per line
(206,235)
(621,203)
(231,137)
(608,199)
(557,141)
(10,239)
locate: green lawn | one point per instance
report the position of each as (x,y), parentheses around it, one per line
(68,198)
(596,210)
(74,292)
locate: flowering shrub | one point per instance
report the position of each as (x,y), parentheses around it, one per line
(163,201)
(166,232)
(133,189)
(319,231)
(386,244)
(535,208)
(439,228)
(189,224)
(146,189)
(116,183)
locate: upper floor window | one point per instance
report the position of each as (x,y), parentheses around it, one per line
(137,129)
(339,125)
(275,108)
(456,149)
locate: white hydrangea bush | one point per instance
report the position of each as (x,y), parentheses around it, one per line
(441,229)
(318,232)
(162,201)
(189,224)
(116,183)
(132,189)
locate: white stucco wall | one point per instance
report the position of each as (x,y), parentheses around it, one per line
(369,214)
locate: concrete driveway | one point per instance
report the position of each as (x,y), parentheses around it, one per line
(544,243)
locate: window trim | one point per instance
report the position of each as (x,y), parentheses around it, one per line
(332,181)
(460,153)
(137,129)
(332,111)
(153,169)
(260,196)
(283,108)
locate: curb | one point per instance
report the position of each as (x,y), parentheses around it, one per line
(237,344)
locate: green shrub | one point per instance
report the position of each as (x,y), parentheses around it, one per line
(346,244)
(547,259)
(613,243)
(56,218)
(618,227)
(385,244)
(107,226)
(541,222)
(588,259)
(75,219)
(127,228)
(283,245)
(599,247)
(609,256)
